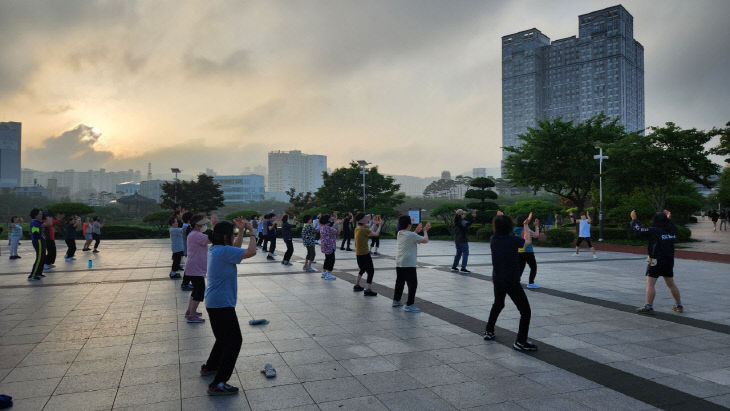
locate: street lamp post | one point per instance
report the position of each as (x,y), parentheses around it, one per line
(600,157)
(363,164)
(176,171)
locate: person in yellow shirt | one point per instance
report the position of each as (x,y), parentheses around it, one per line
(362,252)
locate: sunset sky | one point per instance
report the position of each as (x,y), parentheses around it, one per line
(412,86)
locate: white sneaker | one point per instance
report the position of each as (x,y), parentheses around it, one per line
(595,257)
(574,255)
(533,286)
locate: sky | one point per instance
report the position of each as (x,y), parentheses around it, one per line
(413,86)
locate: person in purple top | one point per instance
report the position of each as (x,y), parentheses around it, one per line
(328,230)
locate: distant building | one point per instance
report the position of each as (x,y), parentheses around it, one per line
(412,186)
(479,172)
(151,189)
(34,192)
(576,78)
(241,188)
(289,169)
(127,188)
(10,154)
(81,183)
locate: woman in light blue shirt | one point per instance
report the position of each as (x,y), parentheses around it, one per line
(16,232)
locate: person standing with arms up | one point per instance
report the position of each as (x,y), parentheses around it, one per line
(220,302)
(461,233)
(527,253)
(72,224)
(506,278)
(362,254)
(197,264)
(406,261)
(328,230)
(16,232)
(308,240)
(287,236)
(96,227)
(346,232)
(584,233)
(37,237)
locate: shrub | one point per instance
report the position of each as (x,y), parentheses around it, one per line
(70,209)
(683,233)
(611,233)
(540,209)
(560,237)
(692,219)
(123,232)
(159,219)
(484,233)
(247,214)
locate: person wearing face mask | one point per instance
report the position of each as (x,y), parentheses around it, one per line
(197,264)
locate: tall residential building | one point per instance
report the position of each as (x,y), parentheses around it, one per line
(479,172)
(601,70)
(289,169)
(10,154)
(81,183)
(241,188)
(412,186)
(151,189)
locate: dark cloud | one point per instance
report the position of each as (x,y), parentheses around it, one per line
(72,149)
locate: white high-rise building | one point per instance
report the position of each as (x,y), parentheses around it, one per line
(10,154)
(289,169)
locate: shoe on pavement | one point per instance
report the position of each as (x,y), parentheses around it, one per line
(595,257)
(370,293)
(524,346)
(574,255)
(465,271)
(489,335)
(330,277)
(33,278)
(195,320)
(412,309)
(645,310)
(310,269)
(397,304)
(205,371)
(678,308)
(222,389)
(270,257)
(52,265)
(533,286)
(455,269)
(357,288)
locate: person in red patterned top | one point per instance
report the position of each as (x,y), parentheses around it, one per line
(328,230)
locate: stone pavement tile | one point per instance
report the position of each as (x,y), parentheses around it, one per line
(502,406)
(36,372)
(553,402)
(455,355)
(257,348)
(154,347)
(600,354)
(367,365)
(523,363)
(100,353)
(414,400)
(153,360)
(607,399)
(29,404)
(257,362)
(21,389)
(43,358)
(155,336)
(368,403)
(197,342)
(89,367)
(57,346)
(172,405)
(336,389)
(696,386)
(4,372)
(278,397)
(647,368)
(311,356)
(22,339)
(350,351)
(109,341)
(336,340)
(412,360)
(89,382)
(320,371)
(437,375)
(566,343)
(721,376)
(560,381)
(151,375)
(394,347)
(469,394)
(723,400)
(198,355)
(148,393)
(253,379)
(295,345)
(91,400)
(482,370)
(213,403)
(390,381)
(635,350)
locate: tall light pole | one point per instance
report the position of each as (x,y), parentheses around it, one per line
(364,172)
(176,171)
(600,157)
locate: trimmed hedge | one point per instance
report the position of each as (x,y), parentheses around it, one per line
(484,233)
(560,237)
(123,232)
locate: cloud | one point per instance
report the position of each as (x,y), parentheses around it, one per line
(72,149)
(235,63)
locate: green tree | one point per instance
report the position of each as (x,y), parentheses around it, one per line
(440,189)
(445,213)
(557,156)
(723,148)
(540,209)
(158,219)
(482,193)
(299,201)
(660,161)
(247,214)
(342,189)
(69,209)
(387,213)
(723,191)
(203,195)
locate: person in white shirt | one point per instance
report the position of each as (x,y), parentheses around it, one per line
(584,233)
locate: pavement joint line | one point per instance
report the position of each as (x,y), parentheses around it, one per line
(642,389)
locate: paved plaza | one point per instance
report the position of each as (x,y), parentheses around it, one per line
(114,336)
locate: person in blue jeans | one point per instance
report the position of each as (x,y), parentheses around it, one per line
(461,231)
(220,301)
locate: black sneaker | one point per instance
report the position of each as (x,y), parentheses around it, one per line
(465,271)
(205,371)
(270,258)
(357,288)
(454,269)
(524,346)
(222,389)
(488,335)
(370,293)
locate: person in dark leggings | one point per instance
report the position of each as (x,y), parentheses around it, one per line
(328,229)
(37,234)
(527,254)
(72,224)
(506,278)
(286,235)
(271,230)
(96,232)
(220,302)
(406,261)
(362,254)
(346,232)
(461,240)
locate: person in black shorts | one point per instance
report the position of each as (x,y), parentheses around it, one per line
(661,236)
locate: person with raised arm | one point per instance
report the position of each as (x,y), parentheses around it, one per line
(406,261)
